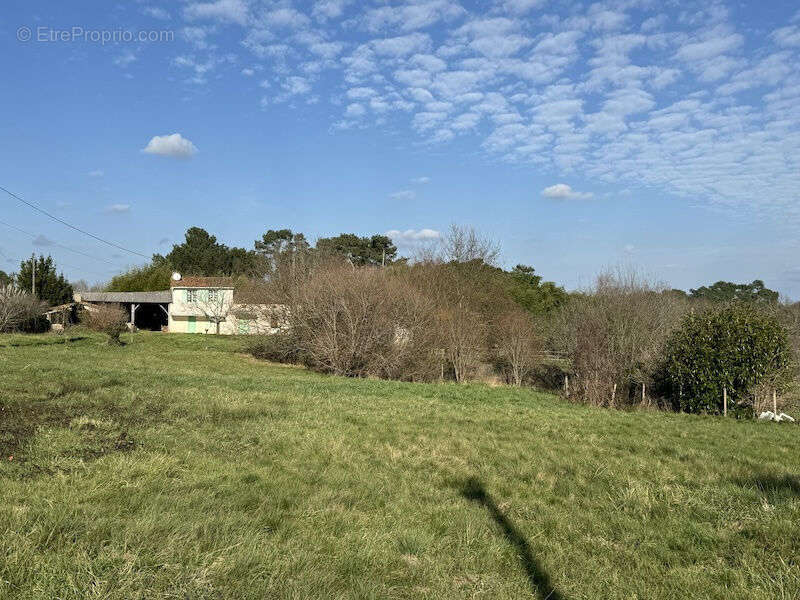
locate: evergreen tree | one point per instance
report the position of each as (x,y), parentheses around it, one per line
(51,287)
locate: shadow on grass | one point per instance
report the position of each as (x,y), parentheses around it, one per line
(541,586)
(41,342)
(775,487)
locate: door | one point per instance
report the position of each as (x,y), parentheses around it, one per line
(191,326)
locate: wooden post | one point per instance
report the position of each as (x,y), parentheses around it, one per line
(566,386)
(613,394)
(725,401)
(775,401)
(644,393)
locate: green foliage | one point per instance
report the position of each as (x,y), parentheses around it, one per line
(149,278)
(51,287)
(5,279)
(362,251)
(201,254)
(282,246)
(725,291)
(735,346)
(527,289)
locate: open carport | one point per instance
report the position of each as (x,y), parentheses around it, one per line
(148,310)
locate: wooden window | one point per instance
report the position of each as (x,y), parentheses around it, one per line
(191,295)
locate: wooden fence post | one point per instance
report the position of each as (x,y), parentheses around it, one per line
(775,401)
(566,386)
(725,401)
(644,393)
(613,394)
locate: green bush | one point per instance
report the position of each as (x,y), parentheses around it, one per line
(735,347)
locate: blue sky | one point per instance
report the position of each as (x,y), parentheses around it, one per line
(663,135)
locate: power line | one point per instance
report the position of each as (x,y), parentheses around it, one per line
(78,229)
(25,260)
(34,236)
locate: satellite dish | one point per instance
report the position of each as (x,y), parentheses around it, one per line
(176,276)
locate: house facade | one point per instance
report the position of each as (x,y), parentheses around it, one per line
(192,305)
(202,305)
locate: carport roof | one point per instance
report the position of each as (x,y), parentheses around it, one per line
(163,297)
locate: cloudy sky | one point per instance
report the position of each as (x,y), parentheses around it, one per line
(664,135)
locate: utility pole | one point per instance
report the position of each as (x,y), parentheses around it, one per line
(33,275)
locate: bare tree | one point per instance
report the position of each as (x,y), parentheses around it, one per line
(461,336)
(215,305)
(517,346)
(614,335)
(17,307)
(464,244)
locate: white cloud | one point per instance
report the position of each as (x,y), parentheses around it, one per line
(403,195)
(562,191)
(421,180)
(329,9)
(402,45)
(296,86)
(787,36)
(174,145)
(284,17)
(156,12)
(716,44)
(522,6)
(327,49)
(411,16)
(354,110)
(96,173)
(605,89)
(228,11)
(410,237)
(118,209)
(126,58)
(197,36)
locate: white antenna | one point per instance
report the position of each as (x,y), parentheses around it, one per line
(176,276)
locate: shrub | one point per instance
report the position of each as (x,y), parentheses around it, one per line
(280,347)
(112,321)
(19,310)
(356,322)
(736,347)
(461,336)
(516,346)
(614,337)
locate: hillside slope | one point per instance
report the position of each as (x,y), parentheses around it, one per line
(177,467)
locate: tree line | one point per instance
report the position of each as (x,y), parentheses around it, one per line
(353,306)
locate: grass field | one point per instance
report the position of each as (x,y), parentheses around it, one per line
(177,467)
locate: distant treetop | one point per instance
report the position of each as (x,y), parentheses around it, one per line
(725,291)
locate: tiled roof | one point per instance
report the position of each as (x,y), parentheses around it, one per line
(202,282)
